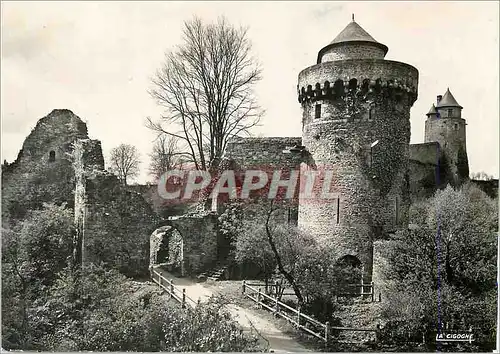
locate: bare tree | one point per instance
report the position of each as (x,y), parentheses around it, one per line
(206,87)
(165,155)
(124,162)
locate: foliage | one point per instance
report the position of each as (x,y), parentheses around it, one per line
(46,238)
(230,224)
(32,254)
(124,161)
(203,329)
(313,270)
(206,87)
(444,269)
(97,309)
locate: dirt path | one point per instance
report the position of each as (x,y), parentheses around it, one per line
(277,339)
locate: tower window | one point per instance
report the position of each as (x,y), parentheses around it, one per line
(450,112)
(456,126)
(371,112)
(338,210)
(317,111)
(397,211)
(52,156)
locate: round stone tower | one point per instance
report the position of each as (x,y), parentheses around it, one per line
(446,126)
(356,124)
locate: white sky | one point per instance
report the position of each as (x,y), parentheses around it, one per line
(96,59)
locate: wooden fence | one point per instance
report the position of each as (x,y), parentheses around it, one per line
(280,288)
(304,322)
(175,292)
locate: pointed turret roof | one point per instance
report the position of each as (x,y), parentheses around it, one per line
(432,111)
(448,100)
(353,32)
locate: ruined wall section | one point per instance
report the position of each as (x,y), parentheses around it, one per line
(263,151)
(118,224)
(268,154)
(43,170)
(362,102)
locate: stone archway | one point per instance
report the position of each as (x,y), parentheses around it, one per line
(167,250)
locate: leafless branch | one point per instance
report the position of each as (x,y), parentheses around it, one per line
(206,88)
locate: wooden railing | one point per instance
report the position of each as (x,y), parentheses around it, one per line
(277,287)
(175,292)
(304,322)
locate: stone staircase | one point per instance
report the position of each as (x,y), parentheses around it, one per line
(214,274)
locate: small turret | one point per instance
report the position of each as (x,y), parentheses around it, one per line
(448,106)
(446,126)
(432,112)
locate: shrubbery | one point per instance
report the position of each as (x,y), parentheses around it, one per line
(443,270)
(47,306)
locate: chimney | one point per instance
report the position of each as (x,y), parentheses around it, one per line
(439,97)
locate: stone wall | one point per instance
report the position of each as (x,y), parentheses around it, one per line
(426,153)
(353,50)
(424,169)
(118,225)
(164,208)
(263,152)
(199,234)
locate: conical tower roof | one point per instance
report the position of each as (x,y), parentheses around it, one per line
(448,100)
(432,111)
(352,33)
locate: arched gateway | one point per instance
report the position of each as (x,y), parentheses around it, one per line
(167,249)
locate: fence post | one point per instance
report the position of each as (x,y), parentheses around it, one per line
(298,315)
(171,287)
(327,331)
(258,299)
(243,287)
(277,306)
(379,297)
(377,333)
(184,298)
(372,291)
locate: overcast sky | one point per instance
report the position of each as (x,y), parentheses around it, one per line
(97,58)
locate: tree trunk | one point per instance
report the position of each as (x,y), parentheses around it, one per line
(281,268)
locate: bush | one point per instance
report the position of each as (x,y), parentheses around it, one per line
(445,268)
